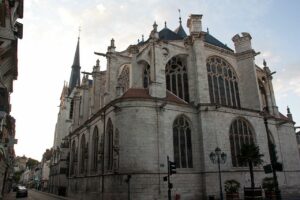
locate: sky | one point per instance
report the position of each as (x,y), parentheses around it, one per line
(47,49)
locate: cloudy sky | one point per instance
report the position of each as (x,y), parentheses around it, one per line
(51,29)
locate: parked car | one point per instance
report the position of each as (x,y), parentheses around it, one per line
(21,191)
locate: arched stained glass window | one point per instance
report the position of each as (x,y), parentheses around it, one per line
(222,82)
(182,141)
(95,149)
(240,133)
(82,154)
(146,76)
(123,79)
(177,78)
(109,145)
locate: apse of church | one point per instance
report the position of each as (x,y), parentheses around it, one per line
(173,94)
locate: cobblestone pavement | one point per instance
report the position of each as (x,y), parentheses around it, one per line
(35,195)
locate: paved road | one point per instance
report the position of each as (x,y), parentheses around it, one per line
(34,195)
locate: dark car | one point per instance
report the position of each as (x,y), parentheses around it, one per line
(21,191)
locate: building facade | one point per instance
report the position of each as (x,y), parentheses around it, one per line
(10,31)
(178,95)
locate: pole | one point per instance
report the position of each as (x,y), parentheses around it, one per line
(169,189)
(277,191)
(220,178)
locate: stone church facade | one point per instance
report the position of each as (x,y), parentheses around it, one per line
(178,95)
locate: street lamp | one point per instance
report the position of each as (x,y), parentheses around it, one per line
(218,157)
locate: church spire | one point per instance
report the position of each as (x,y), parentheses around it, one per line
(75,73)
(180,31)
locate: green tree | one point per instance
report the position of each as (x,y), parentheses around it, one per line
(250,156)
(31,163)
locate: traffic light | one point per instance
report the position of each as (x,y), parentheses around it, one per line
(172,167)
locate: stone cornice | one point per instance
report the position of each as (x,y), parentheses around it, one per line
(246,54)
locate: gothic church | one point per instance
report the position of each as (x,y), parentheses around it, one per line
(175,94)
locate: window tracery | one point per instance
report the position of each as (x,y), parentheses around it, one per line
(182,142)
(240,133)
(82,154)
(109,145)
(177,78)
(95,149)
(222,82)
(123,79)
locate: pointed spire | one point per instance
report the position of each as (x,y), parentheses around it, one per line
(142,38)
(180,31)
(179,17)
(75,73)
(207,30)
(165,24)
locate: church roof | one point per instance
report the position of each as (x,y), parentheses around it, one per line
(167,34)
(75,73)
(212,40)
(144,94)
(180,31)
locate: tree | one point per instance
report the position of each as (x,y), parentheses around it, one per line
(31,163)
(251,156)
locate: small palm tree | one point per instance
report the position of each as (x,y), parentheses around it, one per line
(250,155)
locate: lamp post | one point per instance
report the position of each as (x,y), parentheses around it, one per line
(272,159)
(218,157)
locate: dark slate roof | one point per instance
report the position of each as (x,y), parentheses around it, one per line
(167,34)
(180,31)
(212,40)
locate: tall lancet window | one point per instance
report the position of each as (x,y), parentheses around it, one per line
(182,141)
(146,76)
(82,154)
(110,136)
(95,149)
(222,82)
(123,79)
(177,78)
(74,159)
(240,133)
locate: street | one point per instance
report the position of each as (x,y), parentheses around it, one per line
(34,195)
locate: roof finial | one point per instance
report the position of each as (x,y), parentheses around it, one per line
(179,16)
(155,26)
(138,40)
(143,38)
(207,30)
(165,24)
(289,114)
(265,63)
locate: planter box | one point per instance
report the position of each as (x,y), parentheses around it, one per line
(232,196)
(253,194)
(270,195)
